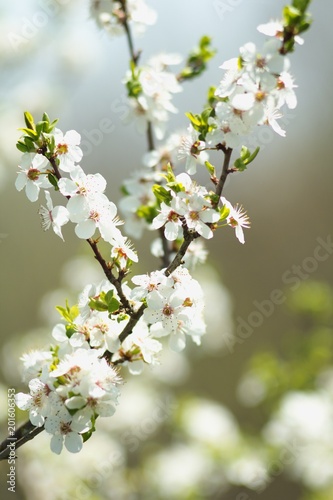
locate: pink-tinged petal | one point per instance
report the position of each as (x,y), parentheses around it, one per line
(85,229)
(96,183)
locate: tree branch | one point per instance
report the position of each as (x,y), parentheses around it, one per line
(224,174)
(23,434)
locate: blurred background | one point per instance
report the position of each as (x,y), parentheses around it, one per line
(55,59)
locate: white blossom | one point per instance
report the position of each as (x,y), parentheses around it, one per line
(33,175)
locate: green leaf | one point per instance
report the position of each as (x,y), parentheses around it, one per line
(53,180)
(68,313)
(147,212)
(49,139)
(224,212)
(211,97)
(52,125)
(162,194)
(97,305)
(22,147)
(246,158)
(197,60)
(45,117)
(111,301)
(194,119)
(210,168)
(31,133)
(40,127)
(301,5)
(29,121)
(29,143)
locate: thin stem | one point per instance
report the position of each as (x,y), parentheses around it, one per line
(224,174)
(134,56)
(150,137)
(188,238)
(116,282)
(132,322)
(23,434)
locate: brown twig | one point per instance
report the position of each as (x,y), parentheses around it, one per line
(23,434)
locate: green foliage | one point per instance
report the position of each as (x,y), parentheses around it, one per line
(224,212)
(147,212)
(309,351)
(133,85)
(68,313)
(104,302)
(197,60)
(313,301)
(210,168)
(245,158)
(54,181)
(37,135)
(295,21)
(162,194)
(200,122)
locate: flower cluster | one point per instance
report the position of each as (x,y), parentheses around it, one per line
(189,206)
(87,207)
(174,305)
(68,393)
(150,89)
(255,87)
(114,323)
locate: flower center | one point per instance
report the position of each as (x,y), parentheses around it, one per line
(33,174)
(62,149)
(194,215)
(260,96)
(65,428)
(167,310)
(173,216)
